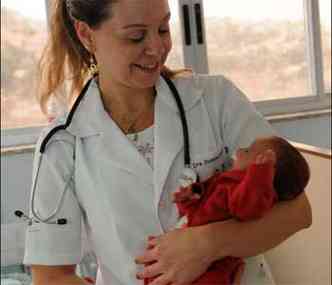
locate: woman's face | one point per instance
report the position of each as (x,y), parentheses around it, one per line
(133,45)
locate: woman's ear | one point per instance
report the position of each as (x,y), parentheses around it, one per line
(85,34)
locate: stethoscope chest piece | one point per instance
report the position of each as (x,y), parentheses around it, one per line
(187,177)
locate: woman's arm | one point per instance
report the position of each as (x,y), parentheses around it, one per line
(55,275)
(231,238)
(182,255)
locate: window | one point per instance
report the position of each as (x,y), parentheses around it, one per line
(260,45)
(325,13)
(175,58)
(23,33)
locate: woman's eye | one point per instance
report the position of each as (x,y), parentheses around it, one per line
(140,38)
(136,38)
(164,31)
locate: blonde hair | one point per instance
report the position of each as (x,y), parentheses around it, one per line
(65,61)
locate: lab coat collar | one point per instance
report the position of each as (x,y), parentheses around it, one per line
(168,128)
(90,116)
(189,93)
(91,119)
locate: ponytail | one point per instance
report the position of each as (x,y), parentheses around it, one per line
(64,61)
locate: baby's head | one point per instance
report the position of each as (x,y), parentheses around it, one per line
(292,172)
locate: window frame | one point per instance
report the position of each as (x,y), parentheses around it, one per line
(318,99)
(20,136)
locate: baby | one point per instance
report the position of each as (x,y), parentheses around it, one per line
(268,171)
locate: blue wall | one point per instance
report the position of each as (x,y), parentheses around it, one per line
(312,131)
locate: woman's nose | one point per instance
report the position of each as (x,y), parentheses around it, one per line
(154,46)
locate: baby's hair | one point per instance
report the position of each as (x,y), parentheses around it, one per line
(292,170)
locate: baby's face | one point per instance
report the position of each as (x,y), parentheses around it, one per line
(246,156)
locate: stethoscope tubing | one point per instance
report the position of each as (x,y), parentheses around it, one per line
(182,114)
(34,213)
(43,145)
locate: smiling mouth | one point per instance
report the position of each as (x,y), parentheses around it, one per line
(148,68)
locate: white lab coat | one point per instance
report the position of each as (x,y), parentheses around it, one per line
(114,191)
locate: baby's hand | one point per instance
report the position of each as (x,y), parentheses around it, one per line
(268,156)
(185,194)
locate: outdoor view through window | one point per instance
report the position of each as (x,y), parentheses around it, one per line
(261,45)
(23,33)
(263,53)
(325,8)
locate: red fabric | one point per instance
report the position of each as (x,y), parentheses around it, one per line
(244,195)
(89,280)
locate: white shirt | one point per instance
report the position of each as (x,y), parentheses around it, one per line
(144,142)
(115,192)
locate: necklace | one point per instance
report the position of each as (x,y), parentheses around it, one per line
(124,122)
(127,124)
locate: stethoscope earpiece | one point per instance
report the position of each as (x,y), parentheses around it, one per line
(61,221)
(30,221)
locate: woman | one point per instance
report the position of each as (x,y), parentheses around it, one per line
(125,144)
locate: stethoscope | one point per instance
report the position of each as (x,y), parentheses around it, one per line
(187,177)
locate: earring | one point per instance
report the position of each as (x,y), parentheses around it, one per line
(93,68)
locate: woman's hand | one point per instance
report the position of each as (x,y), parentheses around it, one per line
(185,194)
(180,256)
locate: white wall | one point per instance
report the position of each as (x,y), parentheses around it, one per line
(16,179)
(312,131)
(305,258)
(15,188)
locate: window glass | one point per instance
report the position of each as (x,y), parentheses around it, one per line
(260,45)
(23,33)
(175,58)
(325,14)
